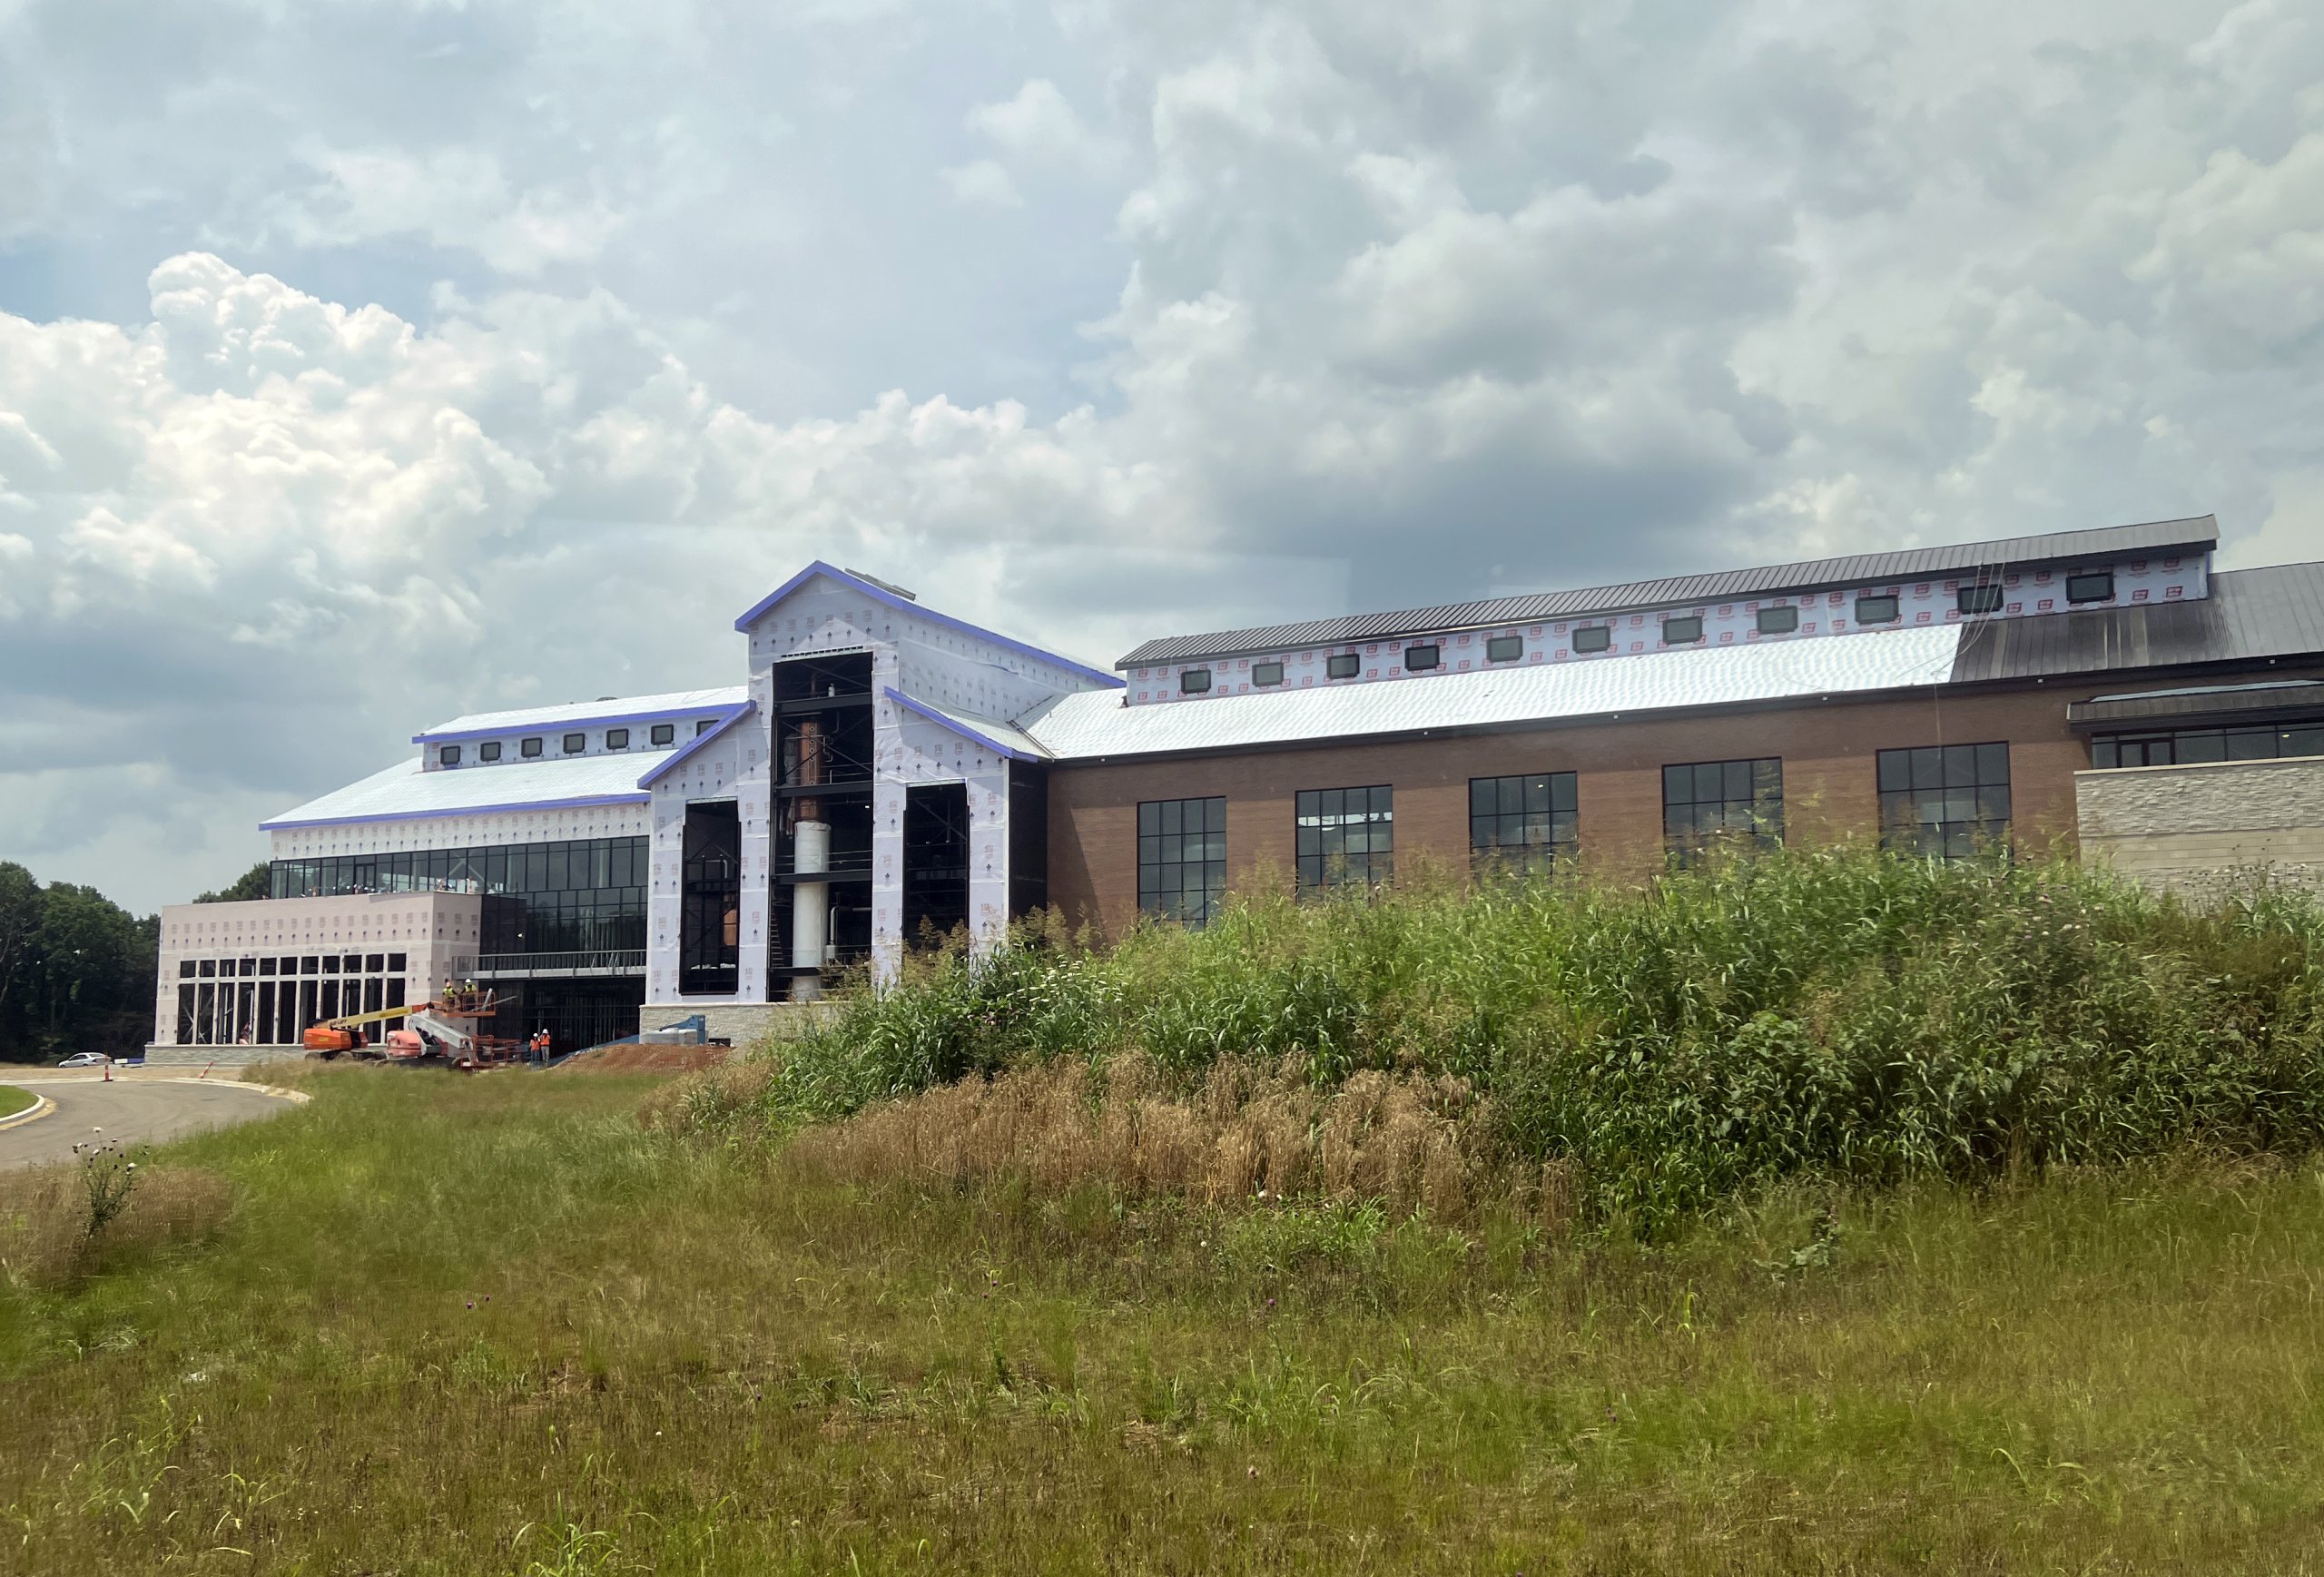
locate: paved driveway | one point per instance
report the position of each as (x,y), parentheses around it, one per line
(140,1110)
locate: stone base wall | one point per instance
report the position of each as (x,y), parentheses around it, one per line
(2210,830)
(744,1025)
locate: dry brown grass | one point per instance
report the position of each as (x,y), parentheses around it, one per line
(46,1238)
(1245,1133)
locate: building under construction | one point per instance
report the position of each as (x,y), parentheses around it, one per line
(886,772)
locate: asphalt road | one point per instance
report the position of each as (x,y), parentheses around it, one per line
(138,1111)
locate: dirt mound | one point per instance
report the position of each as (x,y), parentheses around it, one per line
(645,1059)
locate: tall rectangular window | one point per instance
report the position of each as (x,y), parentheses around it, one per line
(1707,801)
(1521,823)
(1345,835)
(1182,858)
(1946,801)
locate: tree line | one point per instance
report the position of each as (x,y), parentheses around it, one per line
(76,969)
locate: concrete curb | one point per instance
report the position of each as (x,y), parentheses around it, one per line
(40,1107)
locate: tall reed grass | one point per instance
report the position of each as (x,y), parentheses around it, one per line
(1840,1013)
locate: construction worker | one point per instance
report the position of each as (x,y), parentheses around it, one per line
(546,1048)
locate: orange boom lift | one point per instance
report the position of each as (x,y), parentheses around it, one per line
(446,1027)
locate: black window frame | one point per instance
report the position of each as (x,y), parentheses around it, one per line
(448,756)
(1751,818)
(1876,599)
(574,744)
(1504,648)
(1600,637)
(616,739)
(1521,823)
(703,725)
(2083,578)
(1985,598)
(2201,747)
(1194,680)
(1785,620)
(488,751)
(1267,675)
(1169,852)
(664,734)
(1431,654)
(1343,666)
(1322,822)
(530,749)
(1681,624)
(1922,787)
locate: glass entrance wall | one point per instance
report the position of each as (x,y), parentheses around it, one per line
(580,895)
(710,905)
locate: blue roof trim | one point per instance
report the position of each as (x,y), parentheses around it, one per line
(905,605)
(699,742)
(582,803)
(957,727)
(610,720)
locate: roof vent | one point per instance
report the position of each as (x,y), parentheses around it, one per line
(884,585)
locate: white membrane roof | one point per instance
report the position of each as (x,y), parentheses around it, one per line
(626,708)
(974,725)
(1097,724)
(404,792)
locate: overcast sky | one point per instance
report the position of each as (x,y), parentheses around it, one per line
(362,364)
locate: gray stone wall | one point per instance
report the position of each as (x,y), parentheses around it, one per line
(2210,830)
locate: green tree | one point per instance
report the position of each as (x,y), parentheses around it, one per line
(76,969)
(249,886)
(20,917)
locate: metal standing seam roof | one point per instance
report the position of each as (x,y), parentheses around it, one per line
(404,792)
(2212,702)
(1096,724)
(625,709)
(2250,614)
(2199,533)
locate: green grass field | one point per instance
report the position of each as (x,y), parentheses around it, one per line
(14,1100)
(486,1326)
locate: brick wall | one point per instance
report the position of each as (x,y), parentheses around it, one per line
(1827,750)
(2209,828)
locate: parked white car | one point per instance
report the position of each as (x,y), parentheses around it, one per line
(83,1059)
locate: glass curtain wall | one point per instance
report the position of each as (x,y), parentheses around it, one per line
(580,895)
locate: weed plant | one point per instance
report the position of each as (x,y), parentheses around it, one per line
(486,1327)
(1836,1013)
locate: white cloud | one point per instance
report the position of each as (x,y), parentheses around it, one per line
(1038,127)
(982,183)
